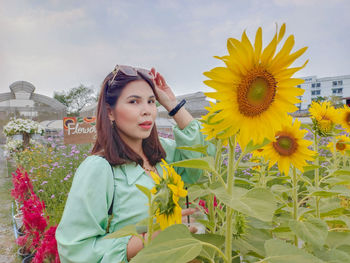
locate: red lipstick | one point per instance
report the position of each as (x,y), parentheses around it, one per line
(146,125)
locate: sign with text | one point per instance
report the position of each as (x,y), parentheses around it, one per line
(79,130)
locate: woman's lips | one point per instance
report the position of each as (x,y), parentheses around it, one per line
(146,125)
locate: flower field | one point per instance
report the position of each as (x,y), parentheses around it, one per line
(276,190)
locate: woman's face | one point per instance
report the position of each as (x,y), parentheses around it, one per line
(135,111)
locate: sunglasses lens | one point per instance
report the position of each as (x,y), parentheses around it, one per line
(129,71)
(145,72)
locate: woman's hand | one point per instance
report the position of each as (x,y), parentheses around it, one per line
(187,212)
(164,94)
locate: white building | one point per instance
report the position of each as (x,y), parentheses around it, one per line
(324,87)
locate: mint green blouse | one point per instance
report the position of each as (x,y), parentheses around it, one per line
(83,225)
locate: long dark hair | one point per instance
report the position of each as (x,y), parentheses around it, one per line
(108,143)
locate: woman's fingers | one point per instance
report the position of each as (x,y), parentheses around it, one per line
(188,211)
(153,72)
(193,229)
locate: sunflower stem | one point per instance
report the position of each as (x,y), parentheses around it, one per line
(334,153)
(317,174)
(229,211)
(150,223)
(218,156)
(295,200)
(263,171)
(211,211)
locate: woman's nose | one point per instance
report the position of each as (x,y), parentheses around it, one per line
(146,109)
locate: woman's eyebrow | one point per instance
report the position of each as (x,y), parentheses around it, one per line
(139,97)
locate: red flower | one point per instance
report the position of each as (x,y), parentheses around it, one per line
(34,221)
(48,248)
(202,203)
(33,214)
(22,186)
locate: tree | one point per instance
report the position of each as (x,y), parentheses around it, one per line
(76,98)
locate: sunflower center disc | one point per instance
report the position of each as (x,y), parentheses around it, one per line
(256,92)
(325,125)
(348,118)
(340,146)
(285,145)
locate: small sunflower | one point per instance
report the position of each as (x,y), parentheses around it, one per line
(167,191)
(344,117)
(255,90)
(257,157)
(341,145)
(289,147)
(324,117)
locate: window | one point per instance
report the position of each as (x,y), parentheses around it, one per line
(318,85)
(315,92)
(313,85)
(337,91)
(337,83)
(298,86)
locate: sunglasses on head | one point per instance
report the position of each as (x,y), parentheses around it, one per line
(130,71)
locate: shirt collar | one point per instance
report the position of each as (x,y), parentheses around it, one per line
(134,172)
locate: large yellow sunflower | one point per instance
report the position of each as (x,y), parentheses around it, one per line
(344,117)
(255,90)
(341,144)
(289,147)
(324,117)
(167,191)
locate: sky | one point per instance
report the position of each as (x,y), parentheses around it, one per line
(59,44)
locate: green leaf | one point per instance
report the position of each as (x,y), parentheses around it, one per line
(257,202)
(195,192)
(205,163)
(123,232)
(279,251)
(333,256)
(252,242)
(252,147)
(242,181)
(342,190)
(145,190)
(306,126)
(213,239)
(324,193)
(341,172)
(280,188)
(311,167)
(173,245)
(338,180)
(260,203)
(313,230)
(336,239)
(334,212)
(195,148)
(246,165)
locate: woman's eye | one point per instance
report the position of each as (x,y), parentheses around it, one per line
(151,101)
(133,101)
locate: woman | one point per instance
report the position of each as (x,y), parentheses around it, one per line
(126,150)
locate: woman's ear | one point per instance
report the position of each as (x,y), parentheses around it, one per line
(110,114)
